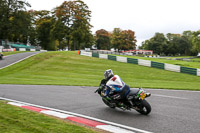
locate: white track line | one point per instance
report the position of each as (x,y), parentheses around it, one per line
(172,90)
(80,115)
(169,96)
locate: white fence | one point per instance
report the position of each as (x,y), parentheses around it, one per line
(198,72)
(173,68)
(122,59)
(103,56)
(144,62)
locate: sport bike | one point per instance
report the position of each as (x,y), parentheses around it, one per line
(135,99)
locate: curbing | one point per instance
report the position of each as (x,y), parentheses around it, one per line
(165,66)
(86,120)
(81,120)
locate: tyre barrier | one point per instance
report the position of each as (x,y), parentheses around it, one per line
(164,66)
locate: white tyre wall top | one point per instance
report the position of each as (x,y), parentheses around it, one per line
(122,59)
(144,62)
(103,56)
(173,68)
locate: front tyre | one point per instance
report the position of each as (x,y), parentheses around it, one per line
(144,107)
(108,103)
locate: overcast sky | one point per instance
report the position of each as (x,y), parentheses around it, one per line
(145,17)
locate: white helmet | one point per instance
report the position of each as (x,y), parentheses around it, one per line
(108,74)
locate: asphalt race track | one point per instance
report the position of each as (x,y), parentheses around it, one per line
(10,59)
(172,111)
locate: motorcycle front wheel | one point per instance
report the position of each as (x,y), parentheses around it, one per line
(108,103)
(144,107)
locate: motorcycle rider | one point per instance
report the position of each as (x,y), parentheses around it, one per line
(113,87)
(1,56)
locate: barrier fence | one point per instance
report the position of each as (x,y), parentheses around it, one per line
(20,49)
(164,66)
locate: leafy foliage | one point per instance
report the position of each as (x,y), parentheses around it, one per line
(68,23)
(118,39)
(14,20)
(174,44)
(103,39)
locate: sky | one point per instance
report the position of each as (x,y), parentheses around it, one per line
(145,17)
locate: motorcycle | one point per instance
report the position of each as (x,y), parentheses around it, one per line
(135,99)
(1,56)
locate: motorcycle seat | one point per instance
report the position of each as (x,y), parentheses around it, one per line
(133,91)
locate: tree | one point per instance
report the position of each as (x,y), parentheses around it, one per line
(116,38)
(44,27)
(103,39)
(158,43)
(187,38)
(10,10)
(196,41)
(75,15)
(21,24)
(128,40)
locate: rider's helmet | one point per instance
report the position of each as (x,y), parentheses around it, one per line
(108,74)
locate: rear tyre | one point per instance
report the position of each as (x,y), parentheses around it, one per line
(108,103)
(144,108)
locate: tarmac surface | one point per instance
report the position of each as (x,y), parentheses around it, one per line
(12,59)
(172,111)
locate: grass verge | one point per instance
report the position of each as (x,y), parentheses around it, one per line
(68,68)
(18,120)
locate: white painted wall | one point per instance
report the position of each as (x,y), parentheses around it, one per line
(103,56)
(173,68)
(122,59)
(144,62)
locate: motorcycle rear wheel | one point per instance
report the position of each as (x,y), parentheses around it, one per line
(144,108)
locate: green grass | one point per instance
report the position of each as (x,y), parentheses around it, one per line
(68,68)
(13,52)
(18,120)
(194,63)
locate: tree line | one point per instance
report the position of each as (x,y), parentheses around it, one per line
(187,43)
(66,25)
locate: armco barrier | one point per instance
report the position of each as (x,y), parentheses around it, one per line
(165,66)
(157,65)
(173,68)
(110,57)
(103,56)
(122,59)
(144,62)
(132,60)
(95,55)
(198,72)
(188,70)
(86,53)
